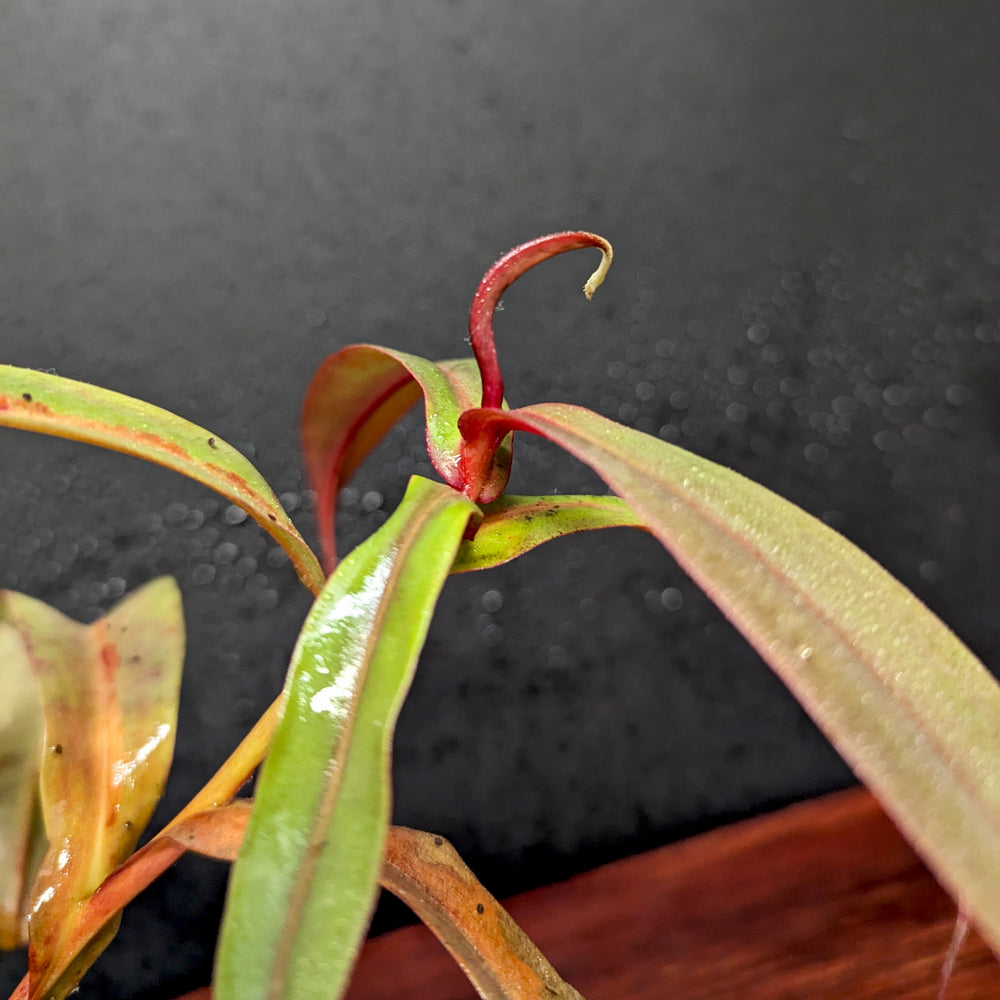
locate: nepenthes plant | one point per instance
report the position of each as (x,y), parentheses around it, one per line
(87,731)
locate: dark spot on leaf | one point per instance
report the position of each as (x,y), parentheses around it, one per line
(128,824)
(26,396)
(271,517)
(57,748)
(480,908)
(438,841)
(211,443)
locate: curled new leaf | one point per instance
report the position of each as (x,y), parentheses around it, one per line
(302,889)
(913,712)
(358,394)
(109,696)
(501,276)
(513,525)
(49,404)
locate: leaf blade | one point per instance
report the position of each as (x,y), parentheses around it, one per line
(909,707)
(314,844)
(21,730)
(513,525)
(499,959)
(109,695)
(62,407)
(358,394)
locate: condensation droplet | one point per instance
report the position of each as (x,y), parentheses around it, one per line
(234,515)
(371,501)
(492,601)
(672,599)
(277,558)
(226,553)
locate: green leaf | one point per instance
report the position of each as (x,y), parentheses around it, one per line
(913,712)
(50,404)
(358,394)
(109,695)
(513,525)
(21,834)
(301,892)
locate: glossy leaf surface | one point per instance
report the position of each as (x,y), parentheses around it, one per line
(302,890)
(908,706)
(50,404)
(109,695)
(21,833)
(354,399)
(514,525)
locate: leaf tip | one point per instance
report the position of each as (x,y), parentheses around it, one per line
(597,278)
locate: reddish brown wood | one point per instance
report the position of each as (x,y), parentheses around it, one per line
(822,900)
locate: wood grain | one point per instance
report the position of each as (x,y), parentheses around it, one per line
(821,900)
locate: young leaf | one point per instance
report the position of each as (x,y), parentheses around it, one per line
(301,892)
(913,712)
(500,277)
(50,404)
(358,394)
(514,525)
(20,757)
(109,695)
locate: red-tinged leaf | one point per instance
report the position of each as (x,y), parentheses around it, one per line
(513,525)
(50,404)
(500,277)
(501,961)
(301,892)
(913,712)
(109,696)
(216,833)
(203,825)
(22,838)
(358,394)
(202,993)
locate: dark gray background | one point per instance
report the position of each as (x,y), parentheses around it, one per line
(200,201)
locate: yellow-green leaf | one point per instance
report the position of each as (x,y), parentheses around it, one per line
(302,890)
(50,404)
(513,525)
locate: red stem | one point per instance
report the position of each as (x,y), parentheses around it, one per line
(500,277)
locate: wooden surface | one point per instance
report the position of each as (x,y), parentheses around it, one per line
(822,900)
